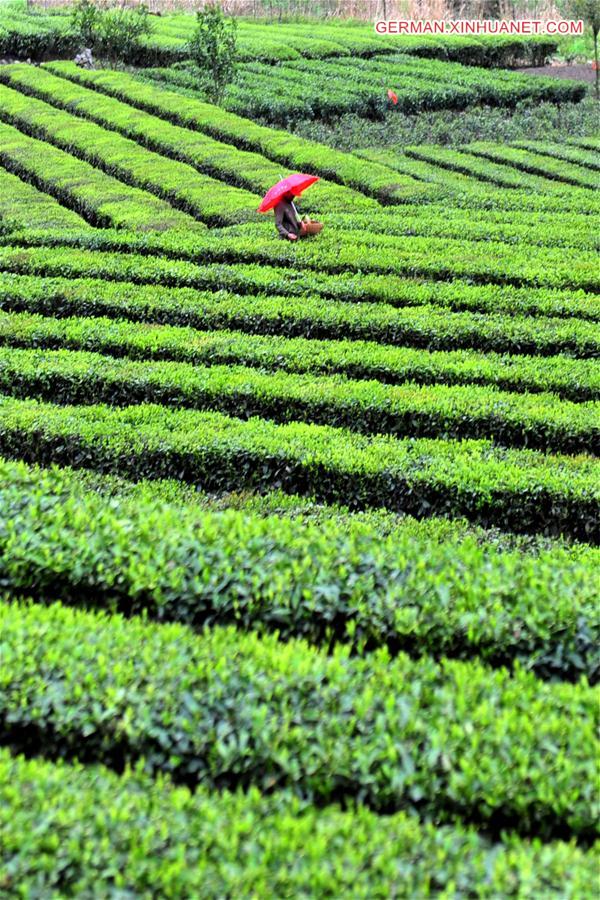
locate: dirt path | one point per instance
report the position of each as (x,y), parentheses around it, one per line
(576,73)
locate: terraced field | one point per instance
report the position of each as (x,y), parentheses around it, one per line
(299,543)
(293,90)
(27,31)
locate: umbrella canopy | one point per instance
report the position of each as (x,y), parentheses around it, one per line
(293,184)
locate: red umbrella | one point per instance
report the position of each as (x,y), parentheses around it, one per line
(293,184)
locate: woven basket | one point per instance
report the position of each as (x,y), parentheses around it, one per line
(313,227)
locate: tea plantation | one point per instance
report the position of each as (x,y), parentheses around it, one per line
(299,543)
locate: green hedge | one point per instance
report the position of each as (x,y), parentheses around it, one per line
(585,143)
(407,256)
(258,41)
(569,378)
(492,87)
(23,206)
(132,263)
(499,171)
(219,160)
(456,739)
(528,160)
(221,844)
(280,146)
(541,421)
(37,36)
(282,95)
(424,588)
(294,89)
(466,182)
(422,326)
(357,252)
(520,490)
(434,220)
(182,186)
(564,151)
(380,522)
(99,198)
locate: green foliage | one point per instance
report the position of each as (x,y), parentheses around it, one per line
(570,378)
(99,198)
(454,739)
(481,186)
(395,179)
(114,33)
(438,220)
(457,595)
(24,35)
(280,147)
(86,16)
(498,167)
(31,33)
(275,844)
(539,122)
(293,91)
(194,194)
(519,490)
(539,164)
(298,316)
(571,154)
(23,206)
(356,251)
(380,522)
(137,260)
(541,421)
(213,49)
(442,325)
(245,169)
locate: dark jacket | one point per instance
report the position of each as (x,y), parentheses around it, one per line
(286,219)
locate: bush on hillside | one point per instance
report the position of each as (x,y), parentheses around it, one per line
(213,48)
(113,33)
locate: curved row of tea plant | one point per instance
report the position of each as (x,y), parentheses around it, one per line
(23,34)
(132,263)
(466,182)
(207,155)
(281,95)
(226,709)
(585,143)
(279,146)
(564,151)
(518,490)
(436,220)
(358,252)
(275,843)
(168,43)
(99,198)
(60,481)
(537,164)
(570,378)
(455,596)
(23,206)
(35,33)
(293,90)
(541,421)
(420,326)
(470,162)
(494,87)
(212,201)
